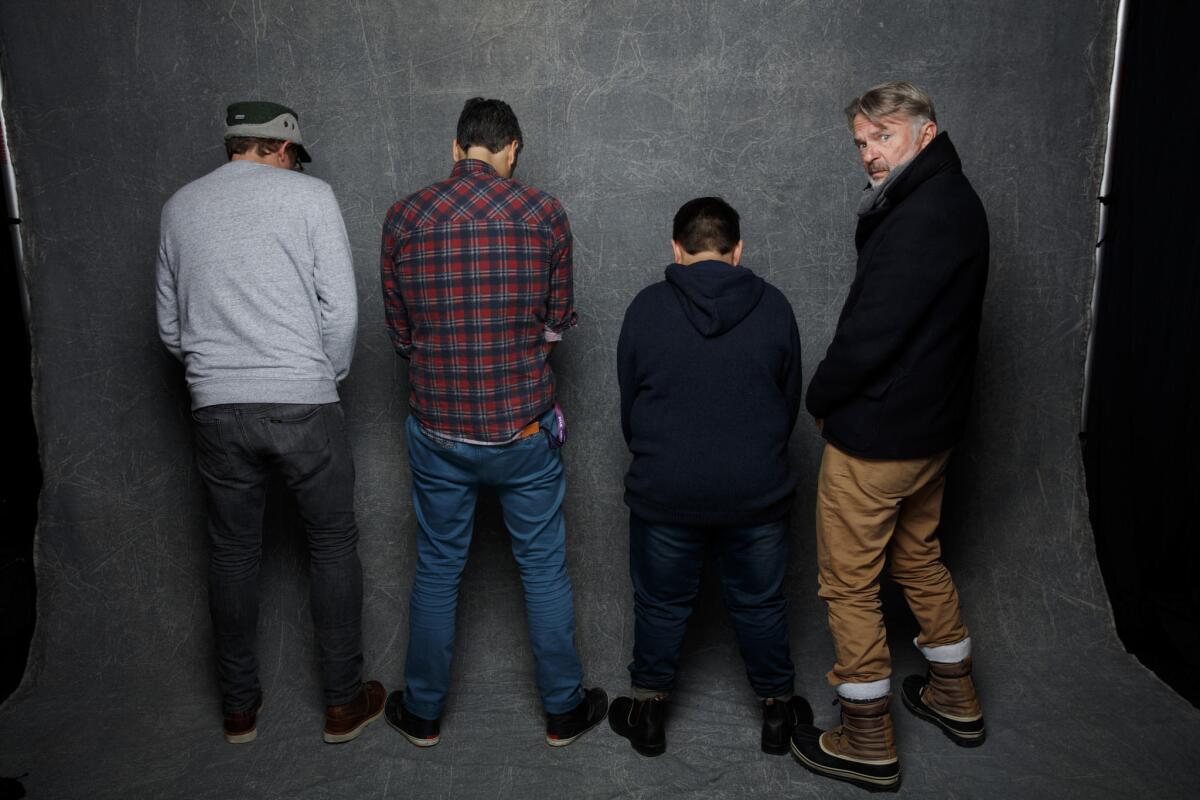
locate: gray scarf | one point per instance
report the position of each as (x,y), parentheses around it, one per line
(873,196)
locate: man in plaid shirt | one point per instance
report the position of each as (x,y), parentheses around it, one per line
(476,273)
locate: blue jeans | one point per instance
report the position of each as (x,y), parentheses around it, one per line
(665,562)
(528,477)
(238,447)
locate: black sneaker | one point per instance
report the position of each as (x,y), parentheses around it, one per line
(642,722)
(779,720)
(562,729)
(421,732)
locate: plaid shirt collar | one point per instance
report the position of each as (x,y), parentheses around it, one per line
(473,166)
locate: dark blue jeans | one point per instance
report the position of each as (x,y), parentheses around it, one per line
(665,563)
(238,447)
(528,477)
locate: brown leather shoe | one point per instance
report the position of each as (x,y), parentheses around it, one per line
(346,722)
(242,726)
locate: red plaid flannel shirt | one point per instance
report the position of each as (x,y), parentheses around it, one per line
(476,276)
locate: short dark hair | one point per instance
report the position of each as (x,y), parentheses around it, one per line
(707,224)
(236,145)
(488,123)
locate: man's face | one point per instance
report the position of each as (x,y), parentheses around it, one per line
(889,142)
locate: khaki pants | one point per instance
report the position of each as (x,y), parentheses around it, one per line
(868,509)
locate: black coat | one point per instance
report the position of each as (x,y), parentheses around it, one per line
(709,368)
(896,380)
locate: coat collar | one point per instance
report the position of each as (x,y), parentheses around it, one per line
(938,157)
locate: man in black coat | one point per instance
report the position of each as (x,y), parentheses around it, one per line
(891,398)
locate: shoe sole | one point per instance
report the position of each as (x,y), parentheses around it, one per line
(353,733)
(867,782)
(242,738)
(969,739)
(248,736)
(649,752)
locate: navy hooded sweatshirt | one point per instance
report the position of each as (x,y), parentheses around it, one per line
(709,368)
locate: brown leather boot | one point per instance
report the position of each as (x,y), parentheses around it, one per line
(946,697)
(862,750)
(346,722)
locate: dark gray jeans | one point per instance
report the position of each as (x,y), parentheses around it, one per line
(238,447)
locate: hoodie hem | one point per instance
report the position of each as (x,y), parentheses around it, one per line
(711,519)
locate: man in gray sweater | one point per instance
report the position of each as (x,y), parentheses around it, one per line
(256,296)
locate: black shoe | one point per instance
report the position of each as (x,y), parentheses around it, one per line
(562,729)
(421,732)
(779,720)
(642,722)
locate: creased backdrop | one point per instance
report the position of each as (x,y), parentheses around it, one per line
(629,109)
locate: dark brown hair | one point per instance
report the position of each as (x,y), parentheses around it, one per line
(236,145)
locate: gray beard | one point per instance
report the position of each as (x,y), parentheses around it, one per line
(873,196)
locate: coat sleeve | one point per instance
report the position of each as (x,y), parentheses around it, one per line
(899,286)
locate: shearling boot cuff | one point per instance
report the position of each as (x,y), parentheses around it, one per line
(946,653)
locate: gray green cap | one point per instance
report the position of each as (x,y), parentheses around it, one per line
(264,120)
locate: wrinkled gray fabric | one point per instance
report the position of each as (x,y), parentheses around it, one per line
(628,110)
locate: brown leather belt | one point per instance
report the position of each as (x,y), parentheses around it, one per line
(529,430)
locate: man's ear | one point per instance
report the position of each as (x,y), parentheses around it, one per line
(456,152)
(928,133)
(677,251)
(737,253)
(511,155)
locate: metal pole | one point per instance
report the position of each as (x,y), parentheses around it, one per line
(1104,199)
(9,179)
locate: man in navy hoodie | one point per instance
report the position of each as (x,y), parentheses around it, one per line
(709,368)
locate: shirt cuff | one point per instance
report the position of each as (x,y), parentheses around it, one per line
(555,333)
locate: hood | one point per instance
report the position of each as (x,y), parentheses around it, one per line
(715,296)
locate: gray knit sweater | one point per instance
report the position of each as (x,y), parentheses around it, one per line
(256,291)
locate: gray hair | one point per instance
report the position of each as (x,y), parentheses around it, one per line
(891,98)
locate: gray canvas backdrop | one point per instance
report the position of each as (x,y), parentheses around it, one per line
(629,109)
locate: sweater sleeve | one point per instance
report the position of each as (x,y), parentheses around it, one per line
(899,286)
(334,278)
(167,300)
